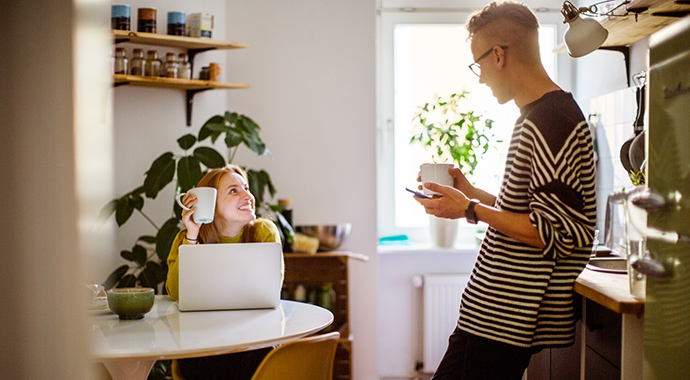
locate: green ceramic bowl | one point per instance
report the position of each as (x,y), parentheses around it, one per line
(131,303)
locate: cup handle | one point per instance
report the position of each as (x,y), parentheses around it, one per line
(179,202)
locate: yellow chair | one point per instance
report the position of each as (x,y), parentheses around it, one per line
(304,359)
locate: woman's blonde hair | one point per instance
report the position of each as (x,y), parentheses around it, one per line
(208,233)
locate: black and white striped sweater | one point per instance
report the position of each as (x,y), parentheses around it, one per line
(519,294)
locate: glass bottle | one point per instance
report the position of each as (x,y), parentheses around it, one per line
(184,69)
(153,64)
(170,67)
(120,61)
(138,62)
(327,297)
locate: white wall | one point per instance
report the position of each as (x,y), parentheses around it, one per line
(310,65)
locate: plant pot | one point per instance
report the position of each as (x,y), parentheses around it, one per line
(443,231)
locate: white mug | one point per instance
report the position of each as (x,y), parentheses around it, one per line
(205,205)
(437,173)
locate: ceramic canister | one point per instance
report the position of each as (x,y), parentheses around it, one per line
(120,17)
(176,23)
(146,20)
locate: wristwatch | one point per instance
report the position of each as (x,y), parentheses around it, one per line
(470,215)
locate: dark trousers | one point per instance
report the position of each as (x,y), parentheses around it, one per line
(470,357)
(235,366)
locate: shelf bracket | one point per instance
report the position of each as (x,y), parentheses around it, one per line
(191,53)
(626,56)
(118,84)
(190,103)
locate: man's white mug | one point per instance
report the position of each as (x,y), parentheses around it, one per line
(205,205)
(437,173)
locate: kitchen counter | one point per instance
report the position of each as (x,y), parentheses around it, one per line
(609,290)
(612,291)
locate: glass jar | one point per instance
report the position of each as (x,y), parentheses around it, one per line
(184,69)
(170,67)
(204,73)
(152,68)
(120,66)
(136,67)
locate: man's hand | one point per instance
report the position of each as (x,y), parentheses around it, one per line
(451,204)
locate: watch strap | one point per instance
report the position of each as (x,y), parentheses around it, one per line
(470,214)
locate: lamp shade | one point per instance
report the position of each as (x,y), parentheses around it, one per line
(583,36)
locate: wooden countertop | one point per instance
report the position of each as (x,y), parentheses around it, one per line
(609,290)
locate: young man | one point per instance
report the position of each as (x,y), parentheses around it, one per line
(520,295)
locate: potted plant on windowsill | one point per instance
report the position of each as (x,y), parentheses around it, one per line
(451,136)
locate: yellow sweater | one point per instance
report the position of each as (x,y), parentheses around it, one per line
(266,231)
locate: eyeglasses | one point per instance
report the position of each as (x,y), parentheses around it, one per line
(476,67)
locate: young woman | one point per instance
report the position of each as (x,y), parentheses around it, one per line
(234,222)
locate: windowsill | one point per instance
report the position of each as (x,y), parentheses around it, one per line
(427,248)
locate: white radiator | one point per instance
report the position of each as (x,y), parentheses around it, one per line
(441,298)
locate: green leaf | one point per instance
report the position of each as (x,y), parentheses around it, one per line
(165,237)
(254,143)
(188,172)
(212,128)
(159,175)
(187,141)
(233,139)
(152,275)
(231,117)
(147,239)
(123,210)
(127,255)
(139,253)
(249,124)
(136,201)
(209,157)
(115,277)
(259,182)
(127,281)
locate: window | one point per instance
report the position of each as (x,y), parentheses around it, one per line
(422,55)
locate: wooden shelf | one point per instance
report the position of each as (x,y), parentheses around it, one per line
(314,270)
(192,46)
(183,84)
(625,30)
(179,42)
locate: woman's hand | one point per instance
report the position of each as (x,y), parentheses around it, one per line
(189,200)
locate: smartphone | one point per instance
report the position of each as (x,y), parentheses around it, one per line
(418,194)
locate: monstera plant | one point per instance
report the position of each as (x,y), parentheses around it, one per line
(147,258)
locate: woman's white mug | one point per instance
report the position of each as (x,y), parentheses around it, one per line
(205,205)
(437,173)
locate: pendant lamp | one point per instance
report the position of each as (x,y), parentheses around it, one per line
(584,35)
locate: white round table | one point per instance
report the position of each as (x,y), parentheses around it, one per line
(128,349)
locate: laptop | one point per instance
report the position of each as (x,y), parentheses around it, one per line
(229,276)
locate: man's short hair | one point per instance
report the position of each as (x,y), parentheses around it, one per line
(510,11)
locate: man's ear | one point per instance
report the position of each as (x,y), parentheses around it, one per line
(499,55)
